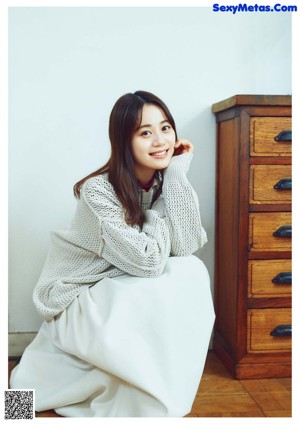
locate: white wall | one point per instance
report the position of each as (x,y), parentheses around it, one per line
(67,67)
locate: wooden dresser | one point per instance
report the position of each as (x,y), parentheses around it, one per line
(253,235)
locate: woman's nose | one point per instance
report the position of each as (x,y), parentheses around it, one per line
(158,139)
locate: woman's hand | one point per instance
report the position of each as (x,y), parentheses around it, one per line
(180,163)
(182,146)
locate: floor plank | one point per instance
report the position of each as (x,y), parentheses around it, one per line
(271,395)
(232,404)
(281,413)
(47,414)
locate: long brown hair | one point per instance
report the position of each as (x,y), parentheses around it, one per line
(125,118)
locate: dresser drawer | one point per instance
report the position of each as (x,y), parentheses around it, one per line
(270,278)
(263,131)
(270,184)
(261,322)
(269,231)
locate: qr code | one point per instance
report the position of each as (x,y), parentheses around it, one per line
(19,405)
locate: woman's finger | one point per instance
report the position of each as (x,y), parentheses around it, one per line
(184,145)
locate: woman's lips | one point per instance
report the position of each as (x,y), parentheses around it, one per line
(160,155)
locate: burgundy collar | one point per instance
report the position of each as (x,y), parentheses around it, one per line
(147,186)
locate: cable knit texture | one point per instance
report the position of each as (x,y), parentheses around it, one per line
(100,244)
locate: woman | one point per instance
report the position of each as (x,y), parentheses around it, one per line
(127,309)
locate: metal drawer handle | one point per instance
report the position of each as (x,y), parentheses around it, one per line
(282,330)
(284,184)
(285,135)
(283,278)
(284,231)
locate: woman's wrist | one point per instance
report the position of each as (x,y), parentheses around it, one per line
(178,168)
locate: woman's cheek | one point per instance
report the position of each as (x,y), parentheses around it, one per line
(172,148)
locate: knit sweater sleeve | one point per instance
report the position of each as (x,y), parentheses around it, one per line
(141,252)
(182,208)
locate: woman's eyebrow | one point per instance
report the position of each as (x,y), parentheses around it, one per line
(149,125)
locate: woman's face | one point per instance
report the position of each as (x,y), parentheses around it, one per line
(152,143)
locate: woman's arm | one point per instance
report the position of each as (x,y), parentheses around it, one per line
(137,252)
(181,204)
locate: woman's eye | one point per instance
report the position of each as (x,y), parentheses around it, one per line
(166,127)
(146,133)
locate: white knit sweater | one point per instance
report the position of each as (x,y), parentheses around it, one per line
(100,244)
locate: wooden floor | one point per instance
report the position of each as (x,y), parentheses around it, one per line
(220,395)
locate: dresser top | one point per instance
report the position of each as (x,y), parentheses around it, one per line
(252,100)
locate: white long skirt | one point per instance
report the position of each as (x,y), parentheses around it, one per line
(126,347)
